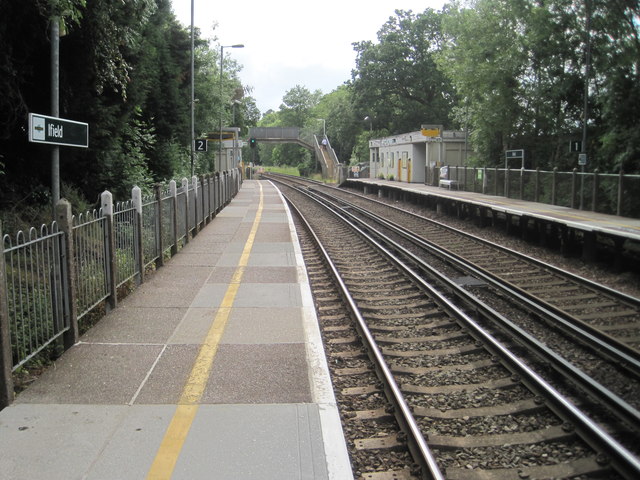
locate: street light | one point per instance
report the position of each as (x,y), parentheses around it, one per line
(370,120)
(222,47)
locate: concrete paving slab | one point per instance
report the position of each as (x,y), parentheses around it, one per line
(94,374)
(197,259)
(167,380)
(264,325)
(57,441)
(274,217)
(179,274)
(129,451)
(273,259)
(194,326)
(273,232)
(209,296)
(254,442)
(268,295)
(276,373)
(162,297)
(258,248)
(269,274)
(136,325)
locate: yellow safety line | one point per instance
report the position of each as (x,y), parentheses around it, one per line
(169,450)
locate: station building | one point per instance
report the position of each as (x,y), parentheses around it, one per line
(415,157)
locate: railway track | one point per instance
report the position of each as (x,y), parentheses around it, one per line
(482,411)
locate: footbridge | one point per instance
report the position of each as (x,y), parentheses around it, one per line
(325,155)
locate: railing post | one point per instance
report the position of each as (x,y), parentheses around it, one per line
(185,189)
(159,231)
(620,190)
(65,223)
(106,202)
(6,363)
(554,185)
(136,198)
(536,195)
(205,214)
(507,182)
(211,182)
(495,182)
(596,187)
(194,182)
(522,184)
(574,190)
(173,192)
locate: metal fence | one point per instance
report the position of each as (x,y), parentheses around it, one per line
(52,277)
(612,194)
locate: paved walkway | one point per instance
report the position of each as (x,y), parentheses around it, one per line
(212,369)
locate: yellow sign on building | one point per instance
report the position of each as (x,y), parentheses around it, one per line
(430,132)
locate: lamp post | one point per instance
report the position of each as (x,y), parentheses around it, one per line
(222,47)
(370,120)
(193,134)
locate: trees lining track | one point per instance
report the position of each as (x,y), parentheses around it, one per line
(469,404)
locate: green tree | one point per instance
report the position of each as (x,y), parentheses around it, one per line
(396,81)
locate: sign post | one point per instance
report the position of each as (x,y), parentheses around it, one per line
(510,154)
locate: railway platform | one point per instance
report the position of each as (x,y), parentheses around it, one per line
(572,230)
(213,368)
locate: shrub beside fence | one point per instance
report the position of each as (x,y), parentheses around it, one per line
(51,278)
(612,194)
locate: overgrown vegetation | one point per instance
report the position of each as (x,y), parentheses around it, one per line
(512,72)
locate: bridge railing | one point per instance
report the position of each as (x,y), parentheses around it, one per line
(52,278)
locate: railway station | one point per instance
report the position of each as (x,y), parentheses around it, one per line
(213,368)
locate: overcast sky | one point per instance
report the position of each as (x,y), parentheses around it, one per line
(289,42)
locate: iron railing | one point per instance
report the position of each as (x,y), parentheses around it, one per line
(612,194)
(51,278)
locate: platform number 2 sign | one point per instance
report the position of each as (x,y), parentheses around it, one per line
(201,144)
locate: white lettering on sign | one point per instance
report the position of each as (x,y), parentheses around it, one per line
(54,131)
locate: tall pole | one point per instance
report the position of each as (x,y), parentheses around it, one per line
(222,47)
(221,110)
(55,104)
(585,112)
(193,128)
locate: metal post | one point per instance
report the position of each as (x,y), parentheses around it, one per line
(6,363)
(159,231)
(136,196)
(65,222)
(173,192)
(596,187)
(185,189)
(573,188)
(55,106)
(194,182)
(620,191)
(193,99)
(585,114)
(106,202)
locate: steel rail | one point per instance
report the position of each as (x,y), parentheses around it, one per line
(611,347)
(623,410)
(416,441)
(624,460)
